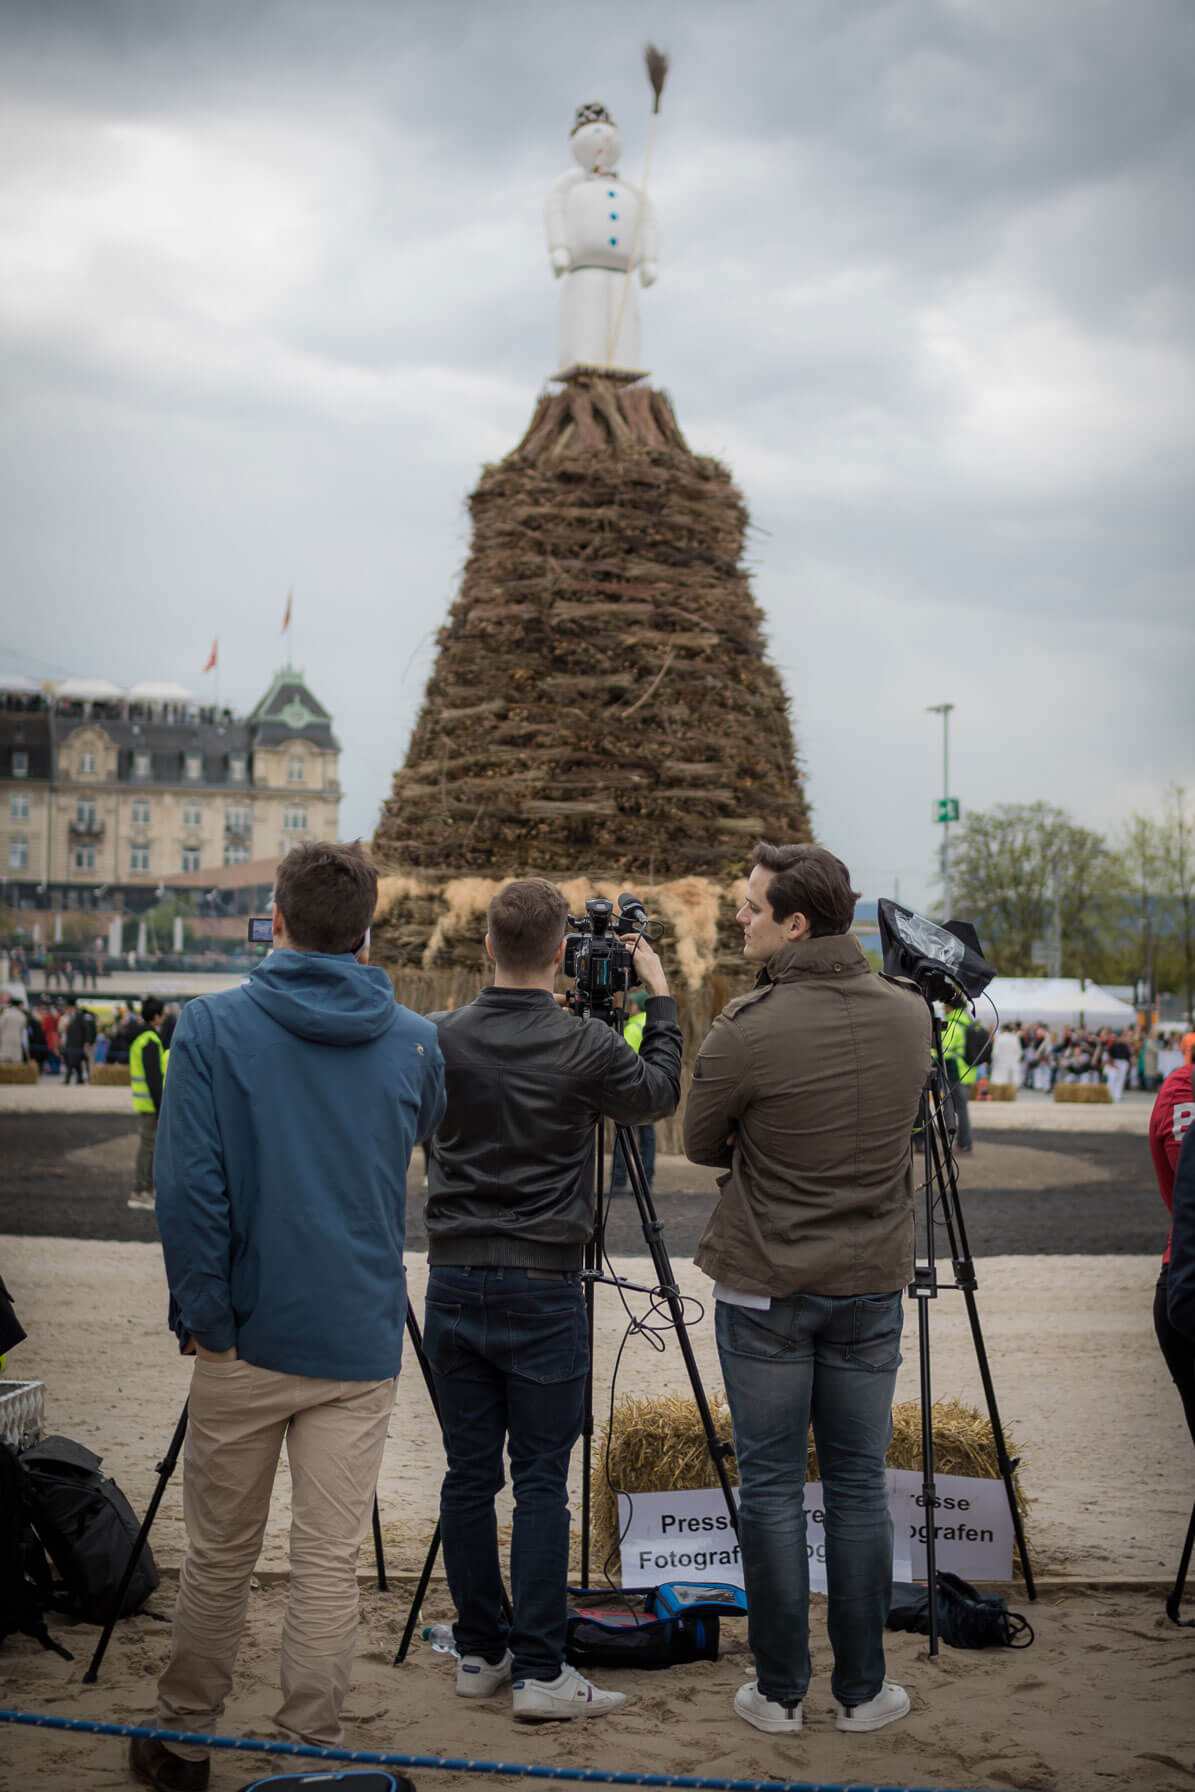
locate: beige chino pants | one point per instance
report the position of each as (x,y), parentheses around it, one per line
(335,1431)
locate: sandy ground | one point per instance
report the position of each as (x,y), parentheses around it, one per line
(1106,1694)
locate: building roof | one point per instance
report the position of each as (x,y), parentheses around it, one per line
(289,709)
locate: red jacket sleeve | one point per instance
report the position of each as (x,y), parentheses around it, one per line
(1173,1113)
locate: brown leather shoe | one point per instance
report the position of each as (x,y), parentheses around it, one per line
(154,1765)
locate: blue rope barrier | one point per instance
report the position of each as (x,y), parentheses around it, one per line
(447,1763)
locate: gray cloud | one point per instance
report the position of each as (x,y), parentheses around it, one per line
(277,289)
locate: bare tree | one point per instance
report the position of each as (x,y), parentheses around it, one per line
(1142,869)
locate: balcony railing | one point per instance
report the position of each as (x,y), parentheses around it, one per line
(88,831)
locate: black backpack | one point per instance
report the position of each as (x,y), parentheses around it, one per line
(25,1589)
(89,1529)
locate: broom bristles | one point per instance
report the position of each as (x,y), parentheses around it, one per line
(657,72)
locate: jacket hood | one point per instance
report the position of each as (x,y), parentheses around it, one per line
(324,996)
(834,954)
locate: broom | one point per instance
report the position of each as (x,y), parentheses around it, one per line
(657,74)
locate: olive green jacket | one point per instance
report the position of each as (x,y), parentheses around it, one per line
(816,1072)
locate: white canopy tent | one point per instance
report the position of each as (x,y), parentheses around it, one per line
(160,693)
(17,685)
(1054,1001)
(88,690)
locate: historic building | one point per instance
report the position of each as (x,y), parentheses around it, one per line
(106,794)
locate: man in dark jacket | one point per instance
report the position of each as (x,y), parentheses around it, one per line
(510,1210)
(292,1106)
(805,1092)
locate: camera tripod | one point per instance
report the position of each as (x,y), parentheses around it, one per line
(592,1275)
(940,1190)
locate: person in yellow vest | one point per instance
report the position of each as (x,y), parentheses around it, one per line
(960,1071)
(632,1032)
(147,1075)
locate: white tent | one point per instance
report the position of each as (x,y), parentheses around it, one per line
(88,690)
(161,693)
(17,685)
(1055,1001)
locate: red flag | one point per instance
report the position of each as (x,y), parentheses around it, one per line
(211,658)
(286,618)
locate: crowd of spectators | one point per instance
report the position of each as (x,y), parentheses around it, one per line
(65,1039)
(1039,1057)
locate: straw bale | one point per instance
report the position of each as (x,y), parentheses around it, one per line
(657,1443)
(22,1073)
(1098,1093)
(692,905)
(465,900)
(393,889)
(1002,1092)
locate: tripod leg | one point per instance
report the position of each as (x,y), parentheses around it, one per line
(653,1233)
(378,1554)
(165,1470)
(425,1576)
(1174,1600)
(964,1270)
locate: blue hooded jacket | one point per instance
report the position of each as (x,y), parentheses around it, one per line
(289,1117)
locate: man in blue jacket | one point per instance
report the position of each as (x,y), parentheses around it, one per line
(291,1111)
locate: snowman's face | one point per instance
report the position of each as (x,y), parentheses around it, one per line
(597,147)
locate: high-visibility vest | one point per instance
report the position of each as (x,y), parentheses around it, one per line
(954,1045)
(143,1101)
(633,1031)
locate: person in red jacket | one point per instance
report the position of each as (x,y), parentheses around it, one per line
(1173,1113)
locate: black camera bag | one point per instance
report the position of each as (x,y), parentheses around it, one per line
(967,1618)
(25,1581)
(88,1528)
(616,1631)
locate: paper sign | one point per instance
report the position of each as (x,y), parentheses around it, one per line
(687,1534)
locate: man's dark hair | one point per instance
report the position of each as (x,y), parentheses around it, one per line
(808,881)
(327,893)
(526,922)
(151,1007)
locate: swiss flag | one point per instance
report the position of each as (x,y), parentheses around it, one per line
(211,658)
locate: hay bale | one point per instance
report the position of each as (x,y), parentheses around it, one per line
(1002,1092)
(18,1073)
(1097,1094)
(657,1444)
(111,1076)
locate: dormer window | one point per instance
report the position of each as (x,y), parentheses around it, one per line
(87,765)
(238,768)
(294,771)
(20,765)
(141,762)
(193,769)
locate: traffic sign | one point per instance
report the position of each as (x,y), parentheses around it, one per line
(946,809)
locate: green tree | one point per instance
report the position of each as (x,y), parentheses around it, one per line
(1140,865)
(1018,869)
(1177,842)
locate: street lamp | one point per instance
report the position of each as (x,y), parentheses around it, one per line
(947,808)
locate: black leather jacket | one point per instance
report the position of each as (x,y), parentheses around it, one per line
(510,1176)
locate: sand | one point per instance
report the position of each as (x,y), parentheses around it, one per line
(1106,1693)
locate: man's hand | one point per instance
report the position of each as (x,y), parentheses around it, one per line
(647,966)
(191,1348)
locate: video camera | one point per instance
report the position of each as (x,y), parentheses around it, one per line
(600,966)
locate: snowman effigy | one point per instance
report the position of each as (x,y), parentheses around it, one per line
(601,229)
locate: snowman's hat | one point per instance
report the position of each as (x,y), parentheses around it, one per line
(591,114)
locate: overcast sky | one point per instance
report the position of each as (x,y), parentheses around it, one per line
(274,288)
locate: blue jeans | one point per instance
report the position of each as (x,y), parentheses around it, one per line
(830,1361)
(508,1351)
(646,1136)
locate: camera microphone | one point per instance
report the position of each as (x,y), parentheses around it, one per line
(631,907)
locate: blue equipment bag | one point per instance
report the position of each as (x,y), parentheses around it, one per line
(678,1597)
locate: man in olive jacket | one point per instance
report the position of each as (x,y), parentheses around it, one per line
(805,1092)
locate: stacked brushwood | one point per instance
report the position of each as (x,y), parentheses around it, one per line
(602,704)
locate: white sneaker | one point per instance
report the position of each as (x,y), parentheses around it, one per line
(890,1702)
(477,1678)
(143,1201)
(569,1695)
(766,1714)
